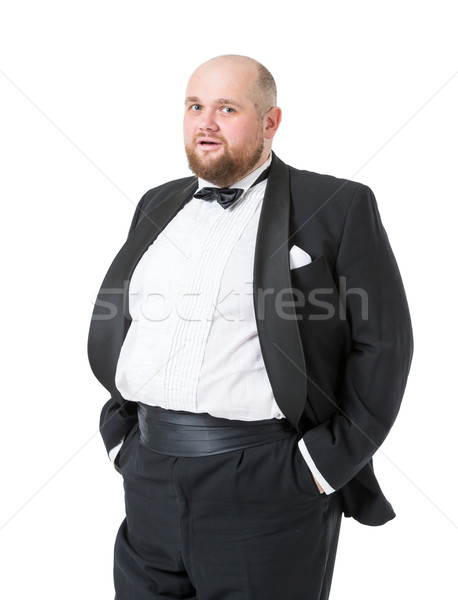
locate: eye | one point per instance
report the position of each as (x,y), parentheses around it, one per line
(195,107)
(227,110)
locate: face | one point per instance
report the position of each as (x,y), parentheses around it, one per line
(223,134)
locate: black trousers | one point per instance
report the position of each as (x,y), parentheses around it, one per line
(243,525)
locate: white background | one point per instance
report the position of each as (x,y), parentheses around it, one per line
(91,102)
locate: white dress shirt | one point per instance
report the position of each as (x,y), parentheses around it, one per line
(193,343)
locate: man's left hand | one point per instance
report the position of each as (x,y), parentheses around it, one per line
(320,489)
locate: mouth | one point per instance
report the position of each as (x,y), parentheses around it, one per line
(208,144)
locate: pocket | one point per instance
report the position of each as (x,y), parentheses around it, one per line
(306,476)
(302,273)
(122,457)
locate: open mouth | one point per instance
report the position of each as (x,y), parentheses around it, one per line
(208,143)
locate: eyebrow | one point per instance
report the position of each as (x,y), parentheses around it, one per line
(218,101)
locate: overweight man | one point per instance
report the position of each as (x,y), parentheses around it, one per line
(254,335)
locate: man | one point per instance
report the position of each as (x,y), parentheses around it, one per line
(255,338)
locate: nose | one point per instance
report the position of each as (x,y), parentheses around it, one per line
(208,122)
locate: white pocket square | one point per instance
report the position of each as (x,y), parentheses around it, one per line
(298,258)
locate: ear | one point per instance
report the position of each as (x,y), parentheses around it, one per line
(272,122)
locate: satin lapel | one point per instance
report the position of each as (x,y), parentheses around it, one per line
(278,336)
(110,319)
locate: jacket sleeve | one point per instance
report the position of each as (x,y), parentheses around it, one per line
(116,420)
(119,416)
(377,366)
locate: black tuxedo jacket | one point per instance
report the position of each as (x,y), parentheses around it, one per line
(335,334)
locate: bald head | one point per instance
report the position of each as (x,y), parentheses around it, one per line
(260,86)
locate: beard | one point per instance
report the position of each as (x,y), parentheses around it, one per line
(231,166)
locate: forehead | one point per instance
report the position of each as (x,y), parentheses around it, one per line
(216,80)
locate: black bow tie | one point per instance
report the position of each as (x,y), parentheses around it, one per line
(224,196)
(227,196)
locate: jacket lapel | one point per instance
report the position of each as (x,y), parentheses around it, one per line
(110,319)
(279,336)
